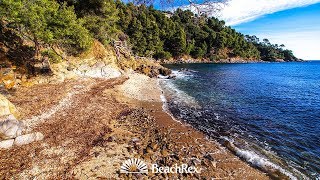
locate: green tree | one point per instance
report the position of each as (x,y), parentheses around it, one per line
(177,44)
(45,22)
(100,18)
(162,34)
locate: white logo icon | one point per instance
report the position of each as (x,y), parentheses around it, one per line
(134,165)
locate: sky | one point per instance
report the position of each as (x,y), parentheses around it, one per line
(294,23)
(296,27)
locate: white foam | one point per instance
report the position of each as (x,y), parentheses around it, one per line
(162,77)
(166,109)
(163,99)
(182,74)
(262,162)
(179,95)
(185,99)
(170,88)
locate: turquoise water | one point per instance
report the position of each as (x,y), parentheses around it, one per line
(270,110)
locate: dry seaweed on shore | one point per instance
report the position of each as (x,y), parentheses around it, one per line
(163,147)
(92,136)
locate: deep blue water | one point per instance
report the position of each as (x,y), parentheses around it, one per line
(272,109)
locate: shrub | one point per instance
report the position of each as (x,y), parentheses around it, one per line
(53,57)
(162,55)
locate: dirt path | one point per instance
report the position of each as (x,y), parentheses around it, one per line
(71,120)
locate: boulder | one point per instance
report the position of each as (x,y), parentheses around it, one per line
(153,71)
(93,72)
(40,66)
(110,72)
(6,144)
(28,138)
(6,107)
(83,68)
(10,127)
(98,65)
(165,71)
(8,79)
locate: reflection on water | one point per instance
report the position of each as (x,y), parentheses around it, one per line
(272,109)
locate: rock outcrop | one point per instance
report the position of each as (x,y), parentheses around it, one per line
(97,70)
(153,70)
(5,144)
(28,138)
(40,67)
(11,129)
(6,107)
(7,78)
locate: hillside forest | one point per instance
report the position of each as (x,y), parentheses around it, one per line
(73,25)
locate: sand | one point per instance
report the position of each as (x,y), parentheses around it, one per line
(225,165)
(104,123)
(141,87)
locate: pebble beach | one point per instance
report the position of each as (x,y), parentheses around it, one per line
(106,122)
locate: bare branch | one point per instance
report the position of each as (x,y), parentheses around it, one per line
(200,7)
(208,7)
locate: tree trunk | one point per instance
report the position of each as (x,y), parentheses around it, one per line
(55,51)
(37,47)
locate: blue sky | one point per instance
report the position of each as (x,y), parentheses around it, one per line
(295,23)
(297,28)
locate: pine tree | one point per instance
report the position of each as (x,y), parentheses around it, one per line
(100,17)
(46,22)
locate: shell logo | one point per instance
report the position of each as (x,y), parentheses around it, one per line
(134,165)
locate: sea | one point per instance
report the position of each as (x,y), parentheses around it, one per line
(268,112)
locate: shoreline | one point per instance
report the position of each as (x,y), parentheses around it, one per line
(106,122)
(227,61)
(250,157)
(195,138)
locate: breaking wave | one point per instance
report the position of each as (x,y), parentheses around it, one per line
(183,107)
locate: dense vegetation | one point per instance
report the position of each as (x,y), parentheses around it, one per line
(72,25)
(46,23)
(270,52)
(152,33)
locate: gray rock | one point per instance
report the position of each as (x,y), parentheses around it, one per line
(28,138)
(6,144)
(109,72)
(99,65)
(83,67)
(10,127)
(40,67)
(94,72)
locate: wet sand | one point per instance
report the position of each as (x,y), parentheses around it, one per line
(215,160)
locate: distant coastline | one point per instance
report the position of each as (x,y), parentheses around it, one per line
(222,61)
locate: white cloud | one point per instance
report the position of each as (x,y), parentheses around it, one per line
(240,11)
(235,12)
(303,41)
